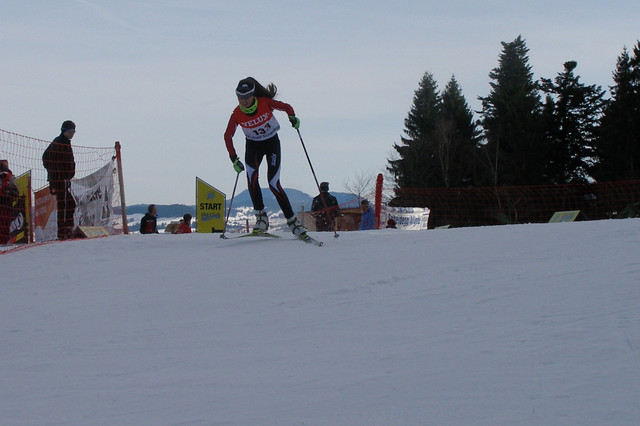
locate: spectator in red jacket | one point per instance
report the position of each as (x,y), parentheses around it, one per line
(185,225)
(8,193)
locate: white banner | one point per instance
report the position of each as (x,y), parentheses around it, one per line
(94,198)
(411,218)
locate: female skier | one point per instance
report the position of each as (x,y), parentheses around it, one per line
(254,115)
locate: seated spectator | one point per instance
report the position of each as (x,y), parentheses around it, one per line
(185,225)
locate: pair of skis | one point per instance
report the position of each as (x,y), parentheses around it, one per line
(255,233)
(259,234)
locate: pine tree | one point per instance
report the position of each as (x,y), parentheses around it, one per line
(457,137)
(619,145)
(571,114)
(511,121)
(416,165)
(438,150)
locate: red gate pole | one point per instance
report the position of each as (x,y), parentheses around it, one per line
(378,205)
(123,204)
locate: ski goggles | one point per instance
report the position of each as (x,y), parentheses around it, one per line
(246,95)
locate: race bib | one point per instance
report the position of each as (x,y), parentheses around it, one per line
(261,127)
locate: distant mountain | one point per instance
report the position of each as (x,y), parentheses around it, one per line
(297,198)
(241,203)
(164,210)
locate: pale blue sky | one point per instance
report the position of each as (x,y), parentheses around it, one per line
(159,76)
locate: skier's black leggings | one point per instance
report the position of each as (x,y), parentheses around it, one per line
(254,152)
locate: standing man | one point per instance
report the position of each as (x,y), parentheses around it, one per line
(367,221)
(149,222)
(61,166)
(325,208)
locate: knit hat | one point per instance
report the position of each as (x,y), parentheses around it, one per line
(245,88)
(68,125)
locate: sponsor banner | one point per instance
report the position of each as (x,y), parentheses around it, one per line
(94,198)
(209,208)
(45,216)
(19,227)
(411,218)
(564,216)
(91,231)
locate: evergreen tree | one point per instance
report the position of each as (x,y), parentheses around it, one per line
(619,146)
(456,137)
(416,165)
(438,150)
(571,114)
(511,121)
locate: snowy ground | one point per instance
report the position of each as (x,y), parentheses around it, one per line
(528,324)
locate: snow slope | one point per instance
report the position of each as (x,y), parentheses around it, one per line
(525,324)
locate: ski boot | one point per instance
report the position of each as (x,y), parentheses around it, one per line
(262,221)
(296,227)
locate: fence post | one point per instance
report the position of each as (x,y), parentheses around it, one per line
(30,219)
(123,204)
(378,204)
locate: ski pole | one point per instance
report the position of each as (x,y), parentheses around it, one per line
(233,194)
(335,234)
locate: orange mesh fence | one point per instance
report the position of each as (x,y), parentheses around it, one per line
(25,154)
(92,165)
(459,207)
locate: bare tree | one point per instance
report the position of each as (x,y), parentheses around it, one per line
(361,184)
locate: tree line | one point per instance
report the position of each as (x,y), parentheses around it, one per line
(550,131)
